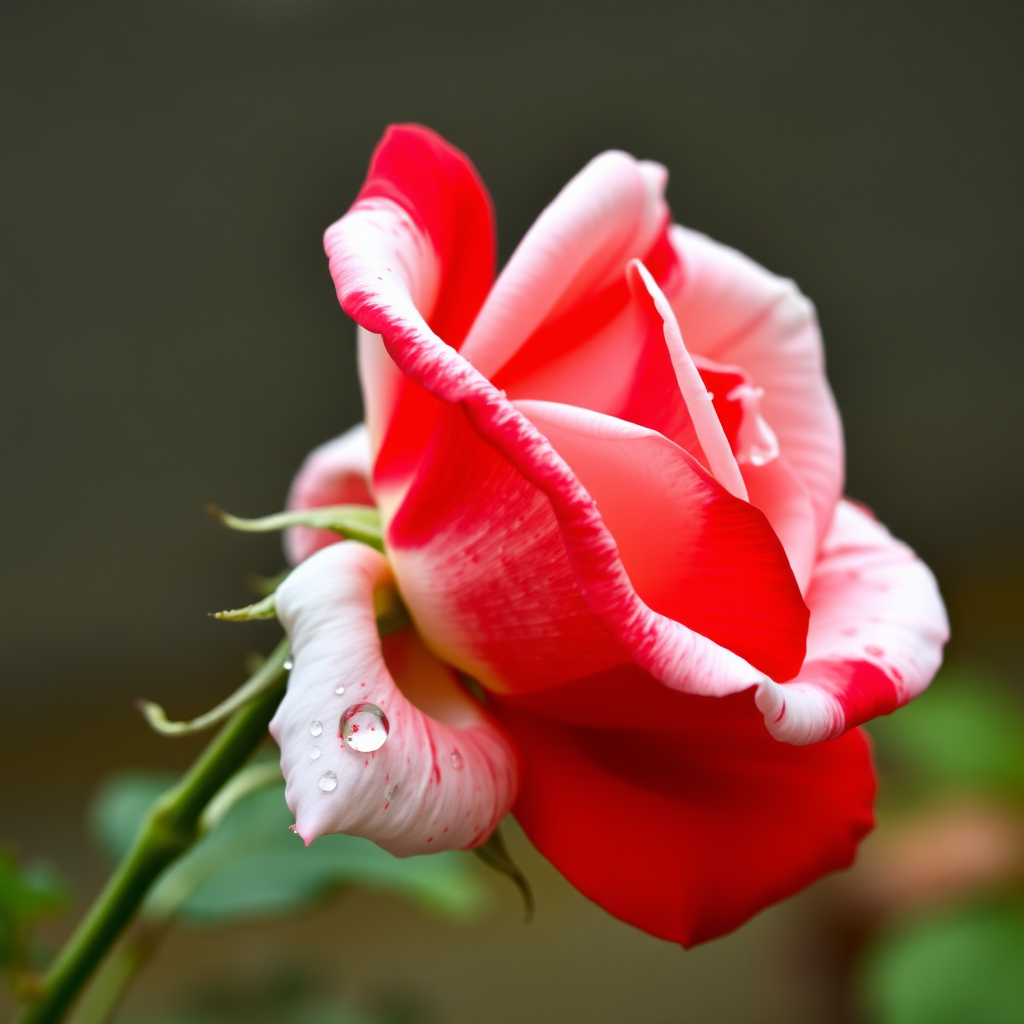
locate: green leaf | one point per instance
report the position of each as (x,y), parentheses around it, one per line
(28,894)
(251,865)
(966,731)
(963,966)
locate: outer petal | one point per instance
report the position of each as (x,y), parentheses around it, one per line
(429,222)
(612,211)
(336,473)
(877,630)
(733,311)
(687,823)
(446,775)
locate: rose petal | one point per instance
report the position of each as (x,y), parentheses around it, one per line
(688,823)
(424,216)
(693,552)
(877,630)
(778,492)
(612,211)
(735,312)
(335,473)
(445,776)
(483,569)
(715,445)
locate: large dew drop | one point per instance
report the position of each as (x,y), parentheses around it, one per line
(328,782)
(364,727)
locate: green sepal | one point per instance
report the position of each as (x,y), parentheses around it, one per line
(264,678)
(494,853)
(265,609)
(354,522)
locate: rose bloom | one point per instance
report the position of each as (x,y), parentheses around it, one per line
(610,483)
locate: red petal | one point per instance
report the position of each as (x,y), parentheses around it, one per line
(425,218)
(686,824)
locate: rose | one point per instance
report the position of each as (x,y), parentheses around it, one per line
(610,483)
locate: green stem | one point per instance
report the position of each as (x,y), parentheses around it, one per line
(170,828)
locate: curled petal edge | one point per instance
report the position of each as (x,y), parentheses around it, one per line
(442,780)
(877,629)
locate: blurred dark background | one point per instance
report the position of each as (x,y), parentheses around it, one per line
(171,335)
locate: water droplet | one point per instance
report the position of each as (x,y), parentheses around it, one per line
(339,690)
(456,759)
(389,792)
(293,828)
(289,664)
(314,752)
(315,728)
(364,727)
(328,782)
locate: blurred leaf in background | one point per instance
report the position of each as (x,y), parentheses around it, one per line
(29,894)
(942,886)
(251,865)
(964,733)
(962,967)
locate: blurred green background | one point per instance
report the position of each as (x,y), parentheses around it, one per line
(171,337)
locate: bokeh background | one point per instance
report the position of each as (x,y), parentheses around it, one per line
(171,337)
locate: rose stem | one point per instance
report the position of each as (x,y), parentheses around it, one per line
(170,828)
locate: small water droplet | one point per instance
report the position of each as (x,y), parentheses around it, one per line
(314,752)
(339,690)
(328,782)
(315,728)
(456,759)
(293,828)
(389,792)
(289,664)
(364,727)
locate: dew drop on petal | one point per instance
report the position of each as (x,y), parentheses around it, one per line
(315,728)
(339,690)
(364,727)
(328,782)
(314,752)
(293,828)
(456,759)
(289,664)
(389,792)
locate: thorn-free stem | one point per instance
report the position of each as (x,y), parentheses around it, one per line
(170,828)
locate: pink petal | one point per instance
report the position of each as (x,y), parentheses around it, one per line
(335,473)
(779,493)
(694,553)
(612,211)
(682,816)
(715,445)
(877,630)
(735,312)
(445,776)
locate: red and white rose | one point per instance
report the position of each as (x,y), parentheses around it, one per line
(610,482)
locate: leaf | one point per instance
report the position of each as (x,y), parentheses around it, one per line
(966,731)
(963,966)
(28,894)
(251,865)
